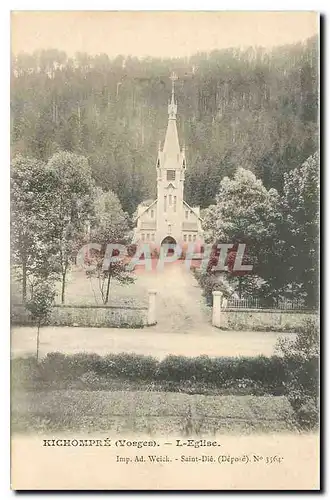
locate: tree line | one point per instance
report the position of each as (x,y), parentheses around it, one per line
(251,108)
(281,234)
(56,209)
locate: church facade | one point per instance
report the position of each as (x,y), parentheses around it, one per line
(169,219)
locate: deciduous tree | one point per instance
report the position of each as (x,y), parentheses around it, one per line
(247,213)
(301,214)
(111,225)
(73,189)
(40,306)
(32,251)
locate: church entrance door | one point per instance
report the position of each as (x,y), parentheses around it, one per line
(169,240)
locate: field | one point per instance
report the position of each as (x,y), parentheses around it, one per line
(147,412)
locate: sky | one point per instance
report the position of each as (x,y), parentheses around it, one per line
(158,34)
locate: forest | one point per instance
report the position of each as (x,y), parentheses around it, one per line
(250,108)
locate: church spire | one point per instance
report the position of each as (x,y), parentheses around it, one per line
(171,145)
(172,107)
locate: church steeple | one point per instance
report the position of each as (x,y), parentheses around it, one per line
(169,219)
(171,145)
(172,107)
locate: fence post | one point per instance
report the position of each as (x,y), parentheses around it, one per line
(152,320)
(216,313)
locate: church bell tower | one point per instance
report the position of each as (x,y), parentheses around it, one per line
(171,166)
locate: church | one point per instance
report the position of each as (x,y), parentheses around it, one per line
(169,219)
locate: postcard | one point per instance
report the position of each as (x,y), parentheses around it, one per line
(165,189)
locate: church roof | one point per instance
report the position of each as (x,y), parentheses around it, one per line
(171,144)
(193,211)
(184,202)
(144,211)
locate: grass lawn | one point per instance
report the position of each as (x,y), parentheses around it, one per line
(81,290)
(147,412)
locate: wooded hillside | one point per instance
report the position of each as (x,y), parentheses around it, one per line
(252,109)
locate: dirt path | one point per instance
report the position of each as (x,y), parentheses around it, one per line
(180,305)
(147,341)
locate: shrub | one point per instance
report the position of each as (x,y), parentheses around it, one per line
(301,359)
(306,344)
(129,366)
(24,371)
(90,379)
(183,374)
(210,282)
(307,415)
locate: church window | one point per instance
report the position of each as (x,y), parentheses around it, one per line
(152,214)
(143,237)
(194,237)
(189,237)
(153,237)
(187,214)
(165,203)
(170,199)
(148,236)
(184,163)
(174,203)
(184,237)
(170,175)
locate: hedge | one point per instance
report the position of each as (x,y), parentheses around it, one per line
(271,373)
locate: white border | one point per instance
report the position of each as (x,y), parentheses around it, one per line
(320,6)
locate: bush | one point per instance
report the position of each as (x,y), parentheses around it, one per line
(267,375)
(287,375)
(123,365)
(307,415)
(301,358)
(210,282)
(305,346)
(129,366)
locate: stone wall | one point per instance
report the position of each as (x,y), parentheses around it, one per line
(264,319)
(258,319)
(87,316)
